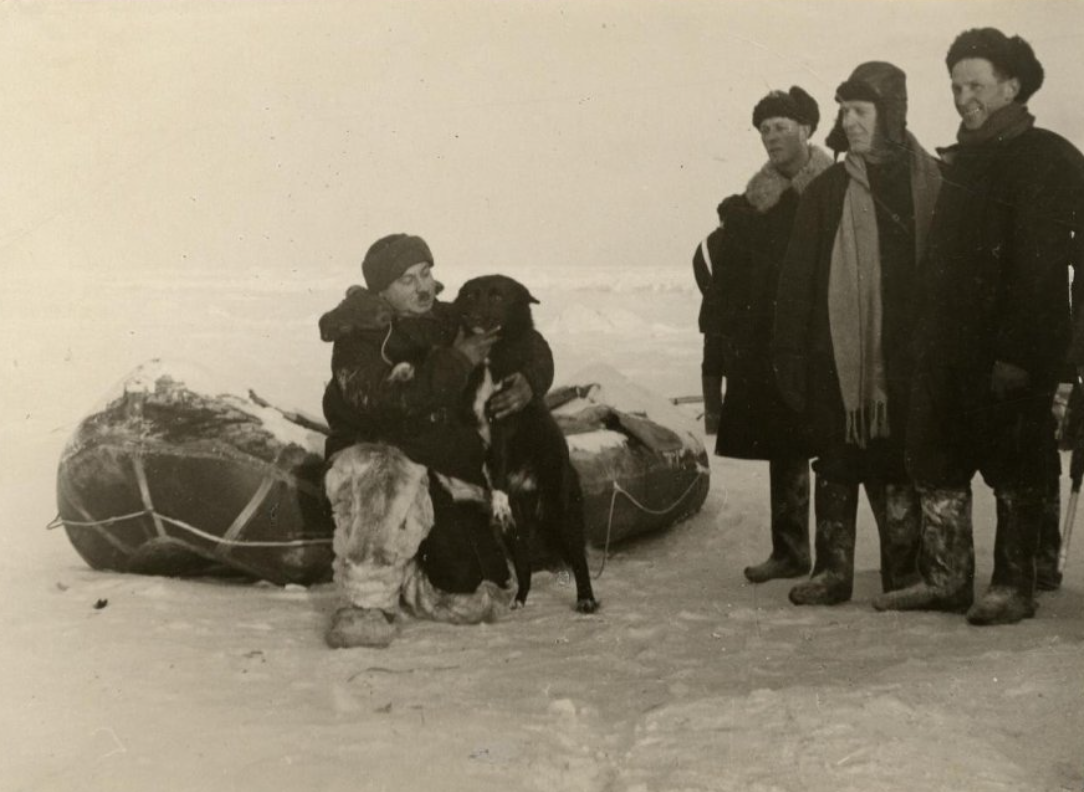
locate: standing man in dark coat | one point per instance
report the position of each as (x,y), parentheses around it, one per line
(842,345)
(994,331)
(747,252)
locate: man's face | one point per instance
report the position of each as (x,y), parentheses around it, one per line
(412,294)
(786,142)
(859,121)
(979,91)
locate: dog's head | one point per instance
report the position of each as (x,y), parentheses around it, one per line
(495,301)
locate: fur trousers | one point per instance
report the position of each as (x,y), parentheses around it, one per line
(382,510)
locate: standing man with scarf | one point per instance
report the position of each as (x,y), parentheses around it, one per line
(747,250)
(845,315)
(994,331)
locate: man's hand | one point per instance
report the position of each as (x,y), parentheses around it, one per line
(477,345)
(1006,378)
(515,394)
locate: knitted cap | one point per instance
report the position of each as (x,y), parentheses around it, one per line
(391,256)
(1010,57)
(795,104)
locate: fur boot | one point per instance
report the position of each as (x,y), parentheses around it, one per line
(382,510)
(898,514)
(946,559)
(789,483)
(836,508)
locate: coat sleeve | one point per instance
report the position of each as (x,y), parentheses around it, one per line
(1033,320)
(364,378)
(702,270)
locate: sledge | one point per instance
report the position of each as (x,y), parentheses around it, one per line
(170,479)
(173,477)
(641,463)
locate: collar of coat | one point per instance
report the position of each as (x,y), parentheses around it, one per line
(768,185)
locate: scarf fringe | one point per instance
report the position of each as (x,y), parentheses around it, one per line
(868,422)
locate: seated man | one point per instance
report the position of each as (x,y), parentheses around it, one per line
(405,476)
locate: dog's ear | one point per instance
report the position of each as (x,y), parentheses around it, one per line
(527,296)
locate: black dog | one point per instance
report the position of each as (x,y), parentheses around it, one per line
(536,490)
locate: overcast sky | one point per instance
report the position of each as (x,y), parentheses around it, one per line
(285,136)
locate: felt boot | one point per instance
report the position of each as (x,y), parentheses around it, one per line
(836,509)
(789,486)
(1011,595)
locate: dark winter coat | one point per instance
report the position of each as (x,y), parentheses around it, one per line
(748,253)
(802,331)
(425,414)
(1001,243)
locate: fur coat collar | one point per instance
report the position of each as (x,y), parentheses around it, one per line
(768,185)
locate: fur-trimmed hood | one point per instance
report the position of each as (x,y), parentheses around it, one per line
(362,310)
(768,185)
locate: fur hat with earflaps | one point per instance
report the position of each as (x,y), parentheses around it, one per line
(886,86)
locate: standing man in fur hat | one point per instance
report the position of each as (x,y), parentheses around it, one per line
(842,345)
(405,475)
(994,331)
(744,256)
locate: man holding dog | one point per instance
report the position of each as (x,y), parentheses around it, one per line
(994,331)
(746,252)
(405,476)
(843,325)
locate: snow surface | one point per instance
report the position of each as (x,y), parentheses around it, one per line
(688,678)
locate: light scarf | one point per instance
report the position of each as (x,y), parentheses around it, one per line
(855,308)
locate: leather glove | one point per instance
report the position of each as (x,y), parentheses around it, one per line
(1007,378)
(790,376)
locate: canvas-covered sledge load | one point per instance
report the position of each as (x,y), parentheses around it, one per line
(642,466)
(174,477)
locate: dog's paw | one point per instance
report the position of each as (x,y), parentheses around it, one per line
(586,605)
(402,372)
(501,510)
(518,603)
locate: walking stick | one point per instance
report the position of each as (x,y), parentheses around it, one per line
(1075,425)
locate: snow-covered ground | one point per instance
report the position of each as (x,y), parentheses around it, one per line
(688,678)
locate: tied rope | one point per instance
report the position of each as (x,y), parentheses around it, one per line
(617,489)
(58,521)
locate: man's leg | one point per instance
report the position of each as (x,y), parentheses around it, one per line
(1047,576)
(939,440)
(789,483)
(897,511)
(1020,435)
(712,371)
(382,511)
(835,508)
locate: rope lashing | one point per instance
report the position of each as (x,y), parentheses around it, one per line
(58,522)
(617,489)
